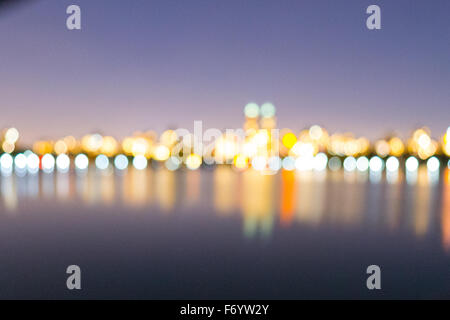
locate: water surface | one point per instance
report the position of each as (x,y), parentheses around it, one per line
(216,233)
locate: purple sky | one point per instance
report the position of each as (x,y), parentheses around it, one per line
(139,65)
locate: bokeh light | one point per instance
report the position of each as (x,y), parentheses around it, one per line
(20,162)
(6,163)
(173,163)
(193,161)
(251,110)
(350,164)
(412,164)
(362,164)
(63,163)
(376,164)
(320,161)
(162,153)
(334,164)
(267,110)
(433,164)
(101,162)
(48,163)
(81,162)
(274,163)
(288,163)
(140,162)
(392,164)
(121,162)
(32,163)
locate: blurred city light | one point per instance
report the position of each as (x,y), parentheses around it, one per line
(140,162)
(48,163)
(102,162)
(62,163)
(392,164)
(81,162)
(259,146)
(362,164)
(121,162)
(412,164)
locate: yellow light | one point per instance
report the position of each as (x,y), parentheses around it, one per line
(363,145)
(109,146)
(397,147)
(382,148)
(251,124)
(60,147)
(193,161)
(161,153)
(446,143)
(42,147)
(168,138)
(289,140)
(71,143)
(225,148)
(11,135)
(127,145)
(268,123)
(241,161)
(315,132)
(424,141)
(140,147)
(92,142)
(8,147)
(447,149)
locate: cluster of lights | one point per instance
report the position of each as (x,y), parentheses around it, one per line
(32,163)
(8,142)
(312,149)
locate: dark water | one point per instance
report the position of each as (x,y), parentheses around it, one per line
(221,234)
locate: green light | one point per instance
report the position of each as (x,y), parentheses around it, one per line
(251,110)
(267,110)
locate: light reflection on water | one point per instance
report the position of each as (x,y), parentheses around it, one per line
(418,202)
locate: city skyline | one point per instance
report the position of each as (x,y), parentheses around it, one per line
(165,64)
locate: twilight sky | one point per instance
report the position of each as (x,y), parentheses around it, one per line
(154,64)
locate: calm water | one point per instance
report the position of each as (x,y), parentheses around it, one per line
(215,233)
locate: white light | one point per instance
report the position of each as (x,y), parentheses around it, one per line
(433,164)
(102,162)
(376,164)
(362,164)
(140,162)
(259,163)
(63,162)
(392,164)
(27,153)
(12,135)
(20,162)
(350,164)
(32,163)
(6,163)
(448,164)
(334,164)
(320,161)
(274,163)
(173,163)
(81,162)
(288,163)
(48,163)
(304,163)
(412,164)
(121,162)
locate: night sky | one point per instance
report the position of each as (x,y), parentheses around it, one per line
(139,65)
